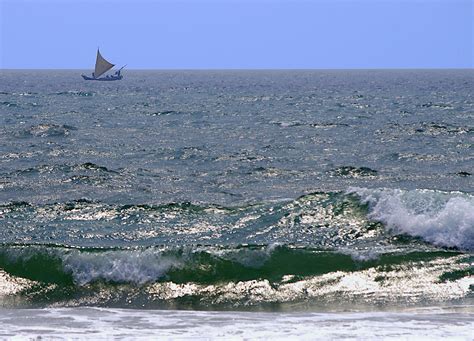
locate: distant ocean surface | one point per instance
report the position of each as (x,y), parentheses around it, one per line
(245,204)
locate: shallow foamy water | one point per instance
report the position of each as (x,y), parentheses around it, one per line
(429,324)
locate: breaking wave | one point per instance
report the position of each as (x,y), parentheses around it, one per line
(237,276)
(442,218)
(360,219)
(200,264)
(361,245)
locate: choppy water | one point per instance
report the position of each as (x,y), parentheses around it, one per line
(237,190)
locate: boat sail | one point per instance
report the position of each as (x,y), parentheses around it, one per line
(101,67)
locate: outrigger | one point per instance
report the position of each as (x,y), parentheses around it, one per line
(101,67)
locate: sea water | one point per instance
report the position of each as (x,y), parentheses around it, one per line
(244,204)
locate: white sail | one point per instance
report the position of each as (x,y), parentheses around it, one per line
(101,65)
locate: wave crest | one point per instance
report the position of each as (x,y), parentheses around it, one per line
(442,218)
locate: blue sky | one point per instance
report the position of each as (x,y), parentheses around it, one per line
(245,34)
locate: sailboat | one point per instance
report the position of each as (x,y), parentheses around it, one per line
(101,67)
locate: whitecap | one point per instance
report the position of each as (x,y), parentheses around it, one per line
(441,218)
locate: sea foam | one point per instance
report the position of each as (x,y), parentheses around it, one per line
(119,266)
(441,218)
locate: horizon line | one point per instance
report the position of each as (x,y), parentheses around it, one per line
(247,69)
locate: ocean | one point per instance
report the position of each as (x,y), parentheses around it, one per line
(237,204)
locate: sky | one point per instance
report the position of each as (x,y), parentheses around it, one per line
(237,34)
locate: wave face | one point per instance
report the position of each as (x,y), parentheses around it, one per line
(362,244)
(359,217)
(219,277)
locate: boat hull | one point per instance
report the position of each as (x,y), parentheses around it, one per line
(103,79)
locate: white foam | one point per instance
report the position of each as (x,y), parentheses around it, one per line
(435,323)
(414,283)
(10,285)
(129,266)
(441,218)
